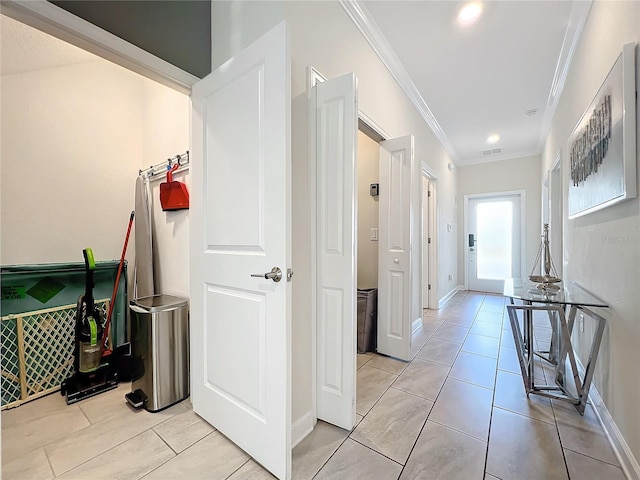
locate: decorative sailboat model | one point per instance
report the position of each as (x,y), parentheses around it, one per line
(543,271)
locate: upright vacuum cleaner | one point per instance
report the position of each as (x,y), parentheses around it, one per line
(91,375)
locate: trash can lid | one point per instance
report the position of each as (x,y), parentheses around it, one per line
(160,302)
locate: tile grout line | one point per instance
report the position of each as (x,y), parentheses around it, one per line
(376,451)
(175,456)
(232,473)
(363,416)
(592,458)
(376,402)
(386,390)
(162,438)
(335,451)
(493,397)
(430,410)
(49,461)
(98,455)
(564,458)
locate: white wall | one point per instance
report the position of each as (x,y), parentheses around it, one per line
(71,147)
(368,211)
(602,249)
(165,133)
(73,141)
(322,35)
(502,176)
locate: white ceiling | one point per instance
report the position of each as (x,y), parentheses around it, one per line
(24,49)
(481,79)
(468,82)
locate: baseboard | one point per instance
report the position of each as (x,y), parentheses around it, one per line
(301,428)
(621,449)
(449,296)
(416,324)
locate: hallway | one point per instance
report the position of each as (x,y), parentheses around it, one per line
(456,411)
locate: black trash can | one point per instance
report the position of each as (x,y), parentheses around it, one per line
(367,320)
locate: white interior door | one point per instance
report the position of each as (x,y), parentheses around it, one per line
(425,242)
(336,144)
(394,247)
(240,203)
(493,241)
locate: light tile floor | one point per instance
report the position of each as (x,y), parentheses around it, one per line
(457,411)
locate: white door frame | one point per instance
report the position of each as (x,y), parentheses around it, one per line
(554,212)
(432,232)
(523,243)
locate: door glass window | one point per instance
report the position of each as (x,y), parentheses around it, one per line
(494,240)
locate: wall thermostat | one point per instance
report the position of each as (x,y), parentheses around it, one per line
(373,190)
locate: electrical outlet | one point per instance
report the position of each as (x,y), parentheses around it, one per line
(581,323)
(374,234)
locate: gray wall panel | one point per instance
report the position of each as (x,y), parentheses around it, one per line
(178,31)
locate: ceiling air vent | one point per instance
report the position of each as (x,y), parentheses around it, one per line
(493,151)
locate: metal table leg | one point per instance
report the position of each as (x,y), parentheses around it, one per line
(526,353)
(582,385)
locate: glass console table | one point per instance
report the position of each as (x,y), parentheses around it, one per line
(561,307)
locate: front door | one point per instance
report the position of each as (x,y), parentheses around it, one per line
(240,251)
(493,241)
(395,257)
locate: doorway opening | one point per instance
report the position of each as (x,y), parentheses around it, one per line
(344,258)
(428,241)
(494,240)
(554,207)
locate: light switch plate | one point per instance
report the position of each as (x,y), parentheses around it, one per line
(374,234)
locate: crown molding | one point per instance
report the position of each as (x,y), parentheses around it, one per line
(577,19)
(380,45)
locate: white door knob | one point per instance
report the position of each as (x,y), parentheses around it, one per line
(396,260)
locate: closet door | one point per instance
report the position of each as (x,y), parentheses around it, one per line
(394,248)
(336,145)
(240,251)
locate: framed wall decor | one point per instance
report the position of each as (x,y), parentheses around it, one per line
(602,147)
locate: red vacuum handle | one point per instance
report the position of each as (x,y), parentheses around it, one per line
(105,334)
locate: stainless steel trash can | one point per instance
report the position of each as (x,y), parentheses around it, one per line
(160,350)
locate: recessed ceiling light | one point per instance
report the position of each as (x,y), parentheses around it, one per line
(469,13)
(493,138)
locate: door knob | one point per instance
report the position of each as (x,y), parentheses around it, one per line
(472,249)
(275,274)
(396,260)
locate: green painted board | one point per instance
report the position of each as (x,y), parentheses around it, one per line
(27,288)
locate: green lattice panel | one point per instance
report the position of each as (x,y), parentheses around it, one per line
(48,337)
(10,383)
